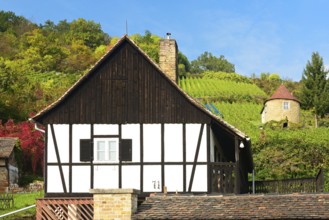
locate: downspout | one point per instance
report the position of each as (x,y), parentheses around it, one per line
(253,170)
(36,126)
(253,181)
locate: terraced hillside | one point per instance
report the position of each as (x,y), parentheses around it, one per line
(295,152)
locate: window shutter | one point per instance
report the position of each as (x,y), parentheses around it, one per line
(86,150)
(126,150)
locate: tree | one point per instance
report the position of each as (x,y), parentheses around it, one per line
(31,141)
(148,43)
(315,89)
(268,82)
(17,25)
(207,61)
(89,32)
(184,65)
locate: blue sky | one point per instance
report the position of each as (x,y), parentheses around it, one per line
(276,36)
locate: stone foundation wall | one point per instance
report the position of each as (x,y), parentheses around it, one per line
(3,179)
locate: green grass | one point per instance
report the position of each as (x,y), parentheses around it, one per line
(22,200)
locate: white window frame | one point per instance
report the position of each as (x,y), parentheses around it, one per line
(286,107)
(106,150)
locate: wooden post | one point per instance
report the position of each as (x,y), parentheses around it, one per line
(237,166)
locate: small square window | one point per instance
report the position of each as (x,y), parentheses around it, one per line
(286,105)
(106,150)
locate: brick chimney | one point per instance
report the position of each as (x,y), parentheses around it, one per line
(114,203)
(168,57)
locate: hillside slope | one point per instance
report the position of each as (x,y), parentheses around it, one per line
(278,153)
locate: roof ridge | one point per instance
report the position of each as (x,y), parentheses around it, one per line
(117,44)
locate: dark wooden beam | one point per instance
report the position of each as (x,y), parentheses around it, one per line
(45,159)
(184,157)
(196,158)
(92,157)
(141,134)
(70,158)
(162,157)
(209,171)
(58,158)
(120,162)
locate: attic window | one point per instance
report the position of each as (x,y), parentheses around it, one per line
(286,105)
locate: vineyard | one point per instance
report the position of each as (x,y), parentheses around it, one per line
(244,116)
(279,153)
(211,90)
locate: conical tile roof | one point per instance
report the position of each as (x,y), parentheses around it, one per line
(283,93)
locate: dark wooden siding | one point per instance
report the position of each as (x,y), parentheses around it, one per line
(125,88)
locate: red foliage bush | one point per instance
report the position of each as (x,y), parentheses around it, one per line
(31,141)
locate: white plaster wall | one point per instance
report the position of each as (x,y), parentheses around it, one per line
(131,177)
(132,131)
(174,178)
(152,142)
(192,135)
(104,129)
(62,138)
(80,179)
(200,178)
(54,182)
(173,139)
(106,177)
(51,155)
(78,132)
(152,174)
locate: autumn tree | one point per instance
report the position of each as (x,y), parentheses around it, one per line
(315,90)
(31,142)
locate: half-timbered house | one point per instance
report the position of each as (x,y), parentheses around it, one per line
(126,124)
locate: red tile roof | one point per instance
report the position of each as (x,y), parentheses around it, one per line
(283,93)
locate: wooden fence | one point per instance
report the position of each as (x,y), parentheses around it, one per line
(6,201)
(305,185)
(65,208)
(222,177)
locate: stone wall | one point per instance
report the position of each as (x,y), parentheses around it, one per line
(168,58)
(3,179)
(274,111)
(114,203)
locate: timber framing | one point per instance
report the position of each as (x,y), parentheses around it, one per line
(125,89)
(120,164)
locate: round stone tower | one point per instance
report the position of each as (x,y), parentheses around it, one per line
(281,105)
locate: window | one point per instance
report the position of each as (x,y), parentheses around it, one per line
(106,149)
(286,105)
